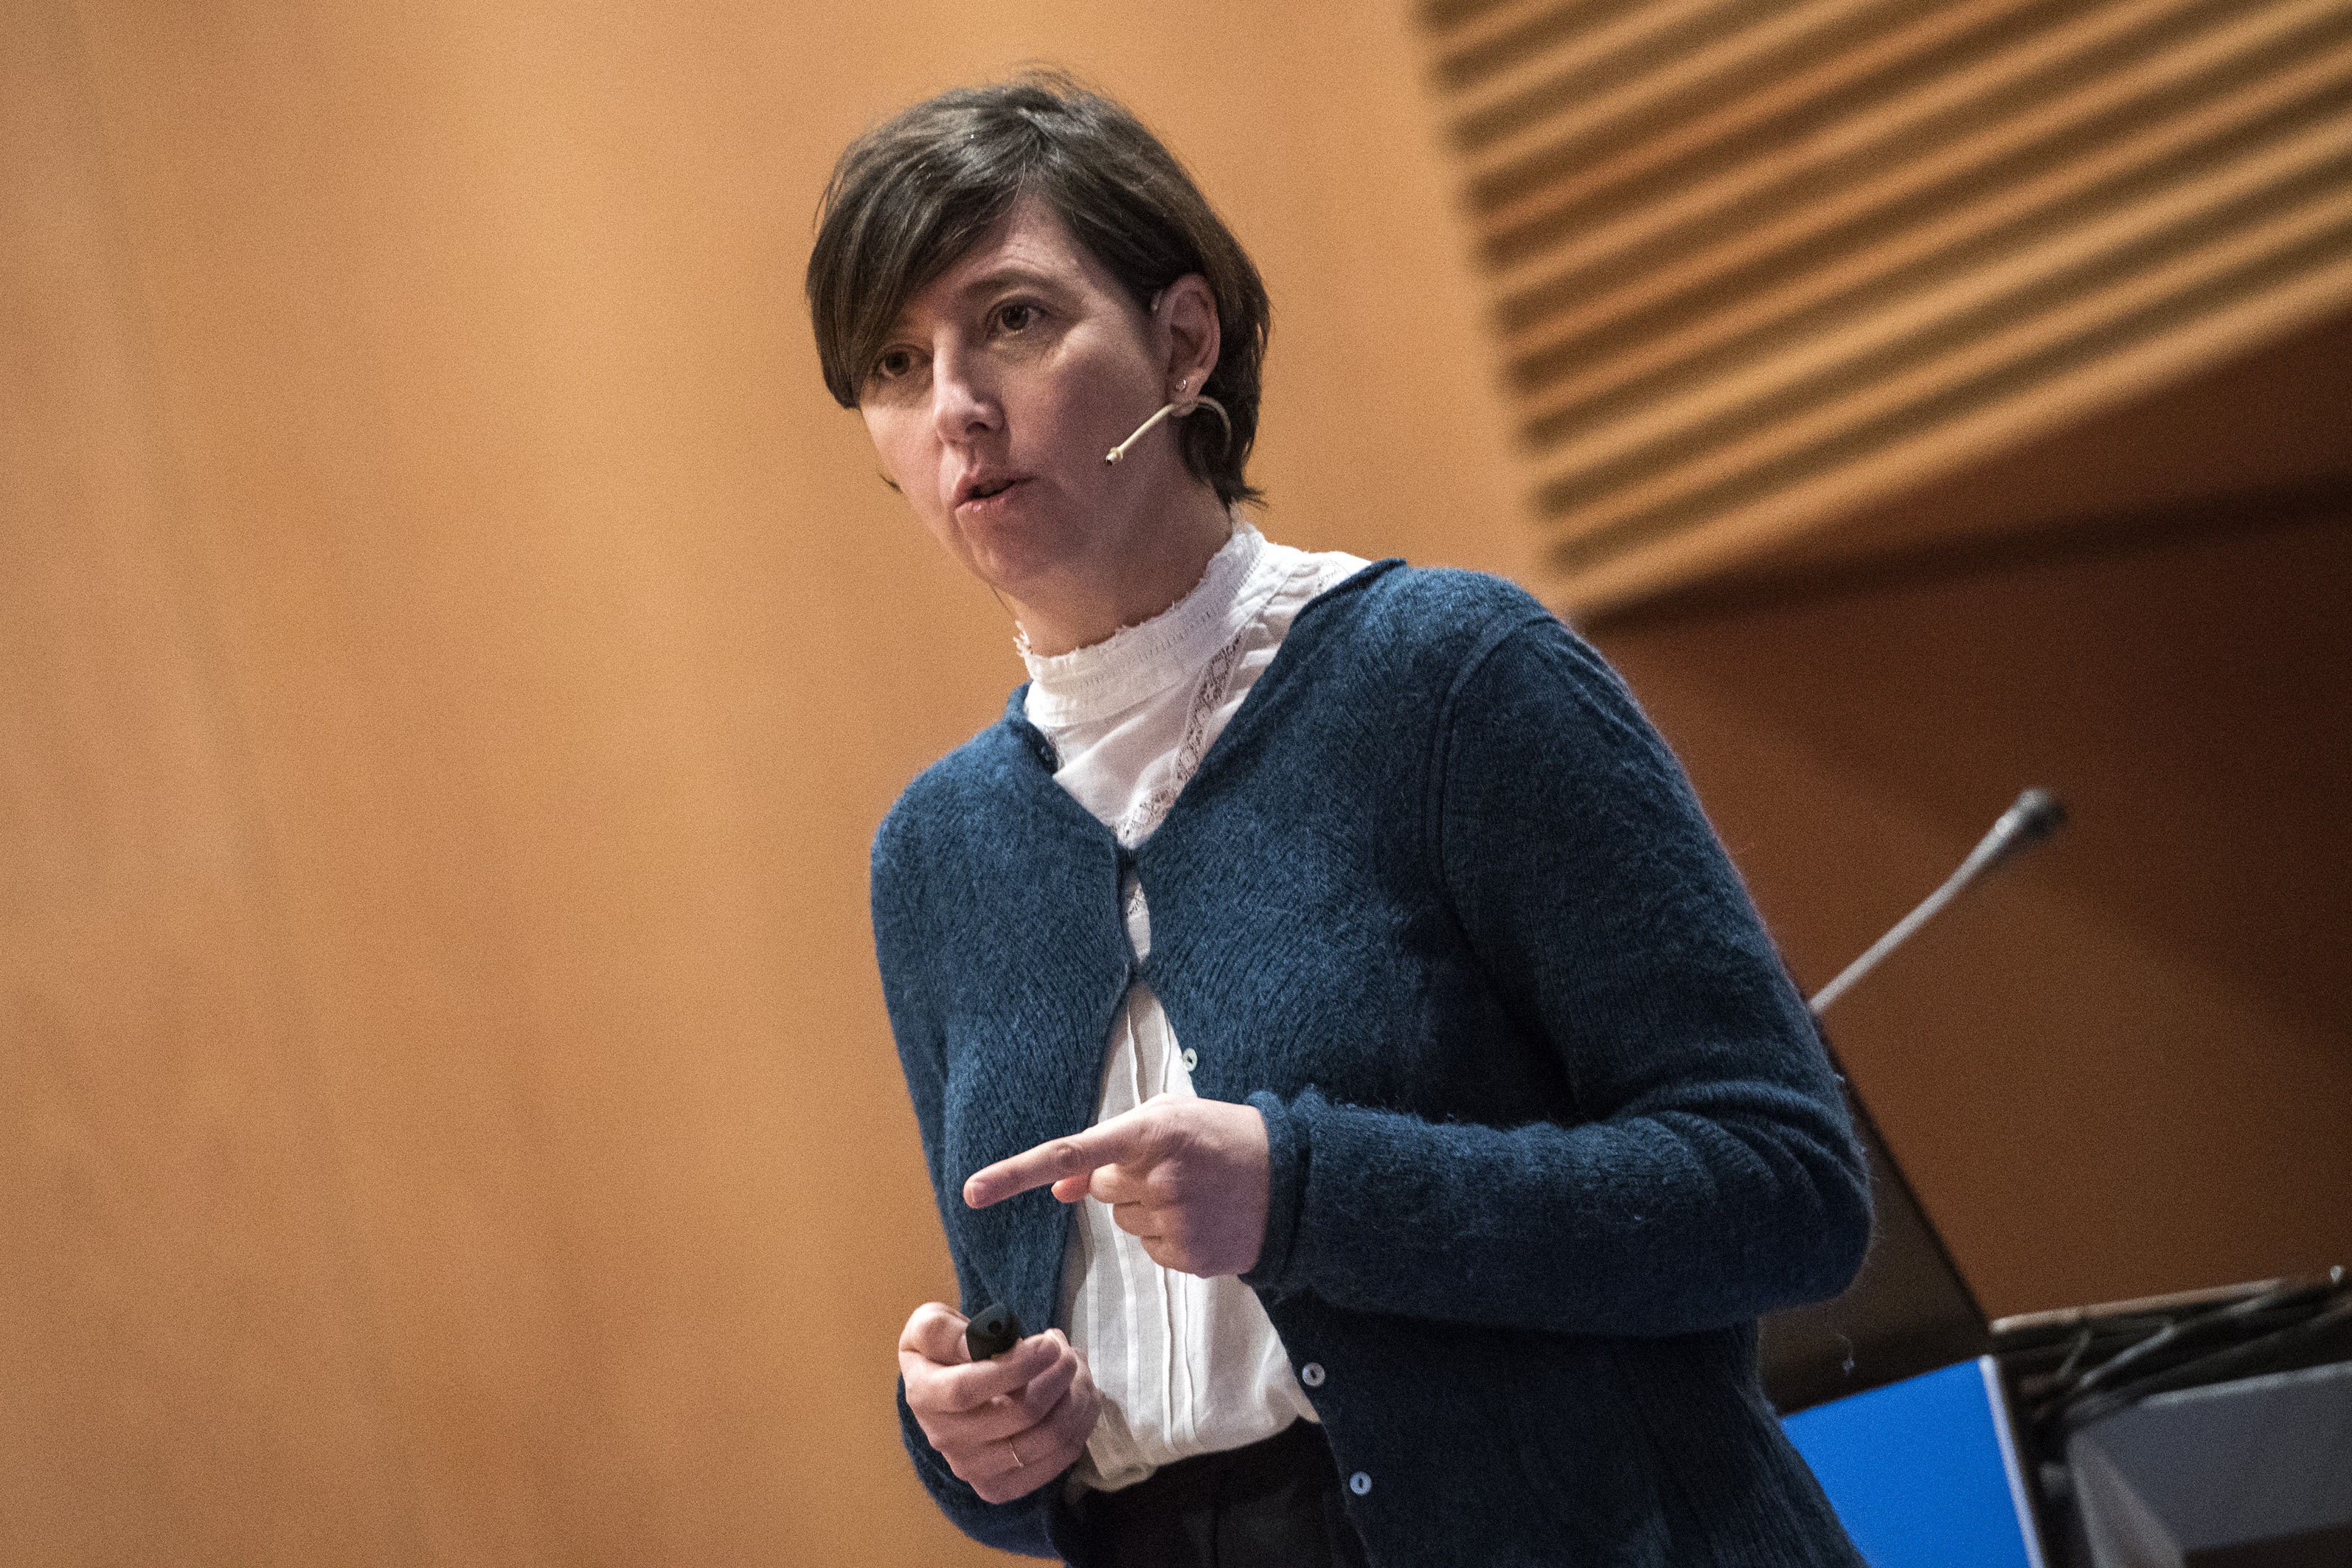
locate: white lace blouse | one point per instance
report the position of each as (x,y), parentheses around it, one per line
(1186,1365)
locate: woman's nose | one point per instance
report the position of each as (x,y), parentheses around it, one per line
(963,398)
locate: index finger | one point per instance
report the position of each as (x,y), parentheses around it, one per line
(1104,1143)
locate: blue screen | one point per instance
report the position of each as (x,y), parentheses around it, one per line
(1914,1471)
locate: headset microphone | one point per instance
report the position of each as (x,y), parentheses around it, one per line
(1181,406)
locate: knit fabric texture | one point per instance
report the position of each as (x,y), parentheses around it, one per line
(1549,1124)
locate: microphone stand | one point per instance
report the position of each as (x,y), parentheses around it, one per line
(1910,1310)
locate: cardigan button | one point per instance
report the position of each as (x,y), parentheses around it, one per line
(1311,1375)
(1360,1483)
(1192,1060)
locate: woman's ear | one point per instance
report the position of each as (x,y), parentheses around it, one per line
(1187,316)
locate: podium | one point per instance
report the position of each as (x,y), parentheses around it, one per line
(2205,1429)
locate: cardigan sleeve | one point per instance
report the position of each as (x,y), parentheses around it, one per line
(1709,1173)
(1026,1525)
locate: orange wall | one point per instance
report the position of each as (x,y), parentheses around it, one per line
(452,656)
(2121,1066)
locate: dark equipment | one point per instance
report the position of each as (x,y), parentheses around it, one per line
(2198,1430)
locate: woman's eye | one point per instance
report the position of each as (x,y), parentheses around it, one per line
(1014,318)
(893,364)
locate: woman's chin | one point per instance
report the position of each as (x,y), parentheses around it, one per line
(1008,549)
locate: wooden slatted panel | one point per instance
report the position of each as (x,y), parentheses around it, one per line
(1754,262)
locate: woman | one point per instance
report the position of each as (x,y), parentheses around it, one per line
(1324,1004)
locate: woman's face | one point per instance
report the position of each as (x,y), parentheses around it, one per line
(1003,382)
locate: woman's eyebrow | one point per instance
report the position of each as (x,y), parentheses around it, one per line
(1008,277)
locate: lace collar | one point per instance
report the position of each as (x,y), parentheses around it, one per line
(1141,661)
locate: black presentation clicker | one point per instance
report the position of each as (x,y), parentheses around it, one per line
(991,1332)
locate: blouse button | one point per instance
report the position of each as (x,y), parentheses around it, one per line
(1360,1483)
(1311,1375)
(1191,1058)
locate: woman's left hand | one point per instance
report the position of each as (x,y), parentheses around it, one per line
(1187,1176)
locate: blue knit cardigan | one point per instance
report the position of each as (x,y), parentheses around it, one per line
(1549,1124)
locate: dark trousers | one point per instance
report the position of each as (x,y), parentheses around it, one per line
(1275,1504)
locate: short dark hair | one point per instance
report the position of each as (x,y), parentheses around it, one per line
(910,196)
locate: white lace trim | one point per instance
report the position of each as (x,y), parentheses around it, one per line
(1144,659)
(1149,811)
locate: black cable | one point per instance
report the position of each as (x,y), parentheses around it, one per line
(2190,1328)
(2174,1334)
(2218,1367)
(2064,1377)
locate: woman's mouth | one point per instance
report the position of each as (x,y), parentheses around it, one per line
(981,493)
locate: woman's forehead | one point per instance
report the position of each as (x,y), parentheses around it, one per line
(1028,247)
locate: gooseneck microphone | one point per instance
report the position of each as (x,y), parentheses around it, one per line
(2037,814)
